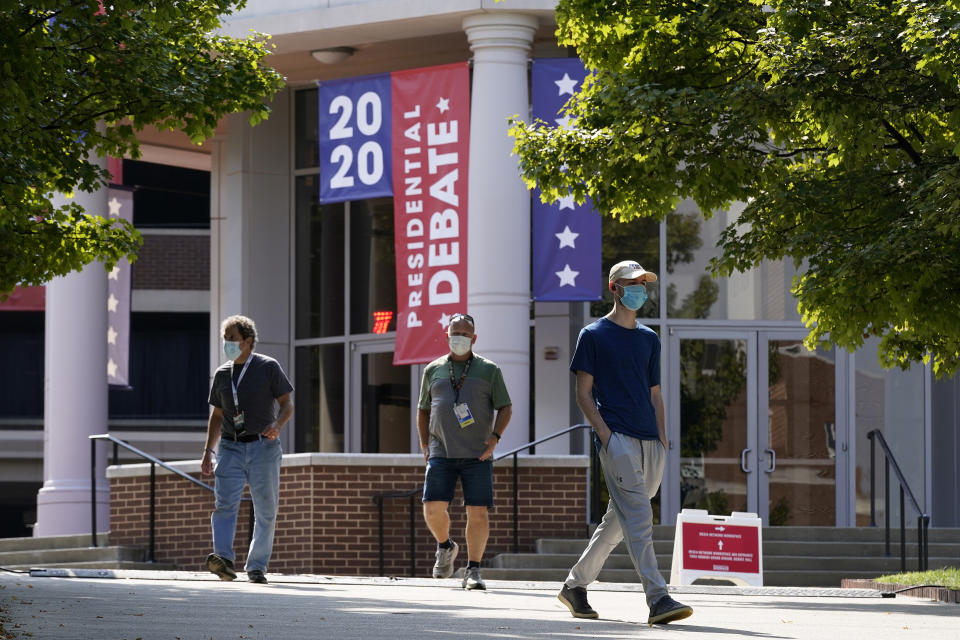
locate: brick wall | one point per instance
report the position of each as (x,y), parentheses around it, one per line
(327,522)
(173,262)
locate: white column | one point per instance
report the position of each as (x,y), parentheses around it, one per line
(498,263)
(250,236)
(75,394)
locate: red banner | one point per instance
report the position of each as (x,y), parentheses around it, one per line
(430,142)
(25,299)
(721,547)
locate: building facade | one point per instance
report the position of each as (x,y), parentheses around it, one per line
(755,421)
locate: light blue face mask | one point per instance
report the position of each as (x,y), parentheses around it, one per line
(634,296)
(231,349)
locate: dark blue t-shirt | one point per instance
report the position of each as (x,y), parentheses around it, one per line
(625,364)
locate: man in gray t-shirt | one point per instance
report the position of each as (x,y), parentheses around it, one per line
(250,396)
(463,410)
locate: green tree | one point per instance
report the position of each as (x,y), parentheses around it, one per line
(838,123)
(78,80)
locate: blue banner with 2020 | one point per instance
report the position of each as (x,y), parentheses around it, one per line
(355,138)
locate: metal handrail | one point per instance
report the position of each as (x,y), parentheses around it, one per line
(153,486)
(923,519)
(516,471)
(380,497)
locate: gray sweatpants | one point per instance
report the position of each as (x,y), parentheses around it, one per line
(633,469)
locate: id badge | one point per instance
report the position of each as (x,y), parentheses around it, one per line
(238,423)
(464,417)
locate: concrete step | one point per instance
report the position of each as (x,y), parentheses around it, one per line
(837,534)
(803,578)
(110,564)
(50,557)
(53,542)
(770,563)
(774,548)
(792,556)
(852,534)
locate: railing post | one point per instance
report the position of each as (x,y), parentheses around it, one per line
(93,492)
(379,501)
(903,536)
(153,512)
(920,562)
(413,541)
(886,501)
(516,506)
(873,484)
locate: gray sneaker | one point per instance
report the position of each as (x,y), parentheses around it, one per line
(666,609)
(472,579)
(575,599)
(443,567)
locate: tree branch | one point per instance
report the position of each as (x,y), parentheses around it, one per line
(902,142)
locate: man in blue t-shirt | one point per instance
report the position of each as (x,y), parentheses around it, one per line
(617,364)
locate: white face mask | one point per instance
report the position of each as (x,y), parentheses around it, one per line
(231,349)
(460,345)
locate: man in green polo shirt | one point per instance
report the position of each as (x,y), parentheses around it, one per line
(463,410)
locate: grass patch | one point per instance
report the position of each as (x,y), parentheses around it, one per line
(946,577)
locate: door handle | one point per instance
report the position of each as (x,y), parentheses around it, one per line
(773,460)
(743,460)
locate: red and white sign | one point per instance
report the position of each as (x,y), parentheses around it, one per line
(707,546)
(720,547)
(431,132)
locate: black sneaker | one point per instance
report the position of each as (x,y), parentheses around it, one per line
(221,566)
(576,600)
(256,576)
(666,609)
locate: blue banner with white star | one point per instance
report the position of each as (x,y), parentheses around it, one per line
(566,236)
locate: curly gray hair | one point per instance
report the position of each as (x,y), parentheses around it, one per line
(246,327)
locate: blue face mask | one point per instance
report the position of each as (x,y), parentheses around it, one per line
(231,349)
(633,296)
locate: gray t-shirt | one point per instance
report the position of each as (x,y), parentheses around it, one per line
(483,391)
(263,382)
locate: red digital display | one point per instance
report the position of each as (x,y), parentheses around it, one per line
(381,320)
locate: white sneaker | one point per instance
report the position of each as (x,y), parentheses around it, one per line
(472,579)
(443,567)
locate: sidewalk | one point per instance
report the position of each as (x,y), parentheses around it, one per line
(181,605)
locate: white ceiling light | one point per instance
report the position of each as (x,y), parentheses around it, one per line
(333,55)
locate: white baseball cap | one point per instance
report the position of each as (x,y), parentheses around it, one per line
(628,270)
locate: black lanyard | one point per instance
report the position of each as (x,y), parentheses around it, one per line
(459,383)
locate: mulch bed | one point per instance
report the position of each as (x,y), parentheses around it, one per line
(940,594)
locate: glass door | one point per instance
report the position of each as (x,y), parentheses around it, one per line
(381,407)
(798,432)
(712,406)
(755,413)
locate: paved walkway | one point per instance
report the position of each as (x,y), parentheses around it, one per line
(186,606)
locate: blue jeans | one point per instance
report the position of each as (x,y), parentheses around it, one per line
(255,463)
